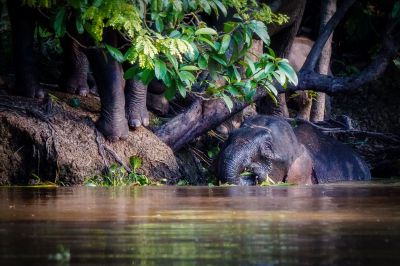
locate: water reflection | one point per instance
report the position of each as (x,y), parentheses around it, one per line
(319,225)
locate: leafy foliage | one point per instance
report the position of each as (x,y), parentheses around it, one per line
(170,41)
(119,176)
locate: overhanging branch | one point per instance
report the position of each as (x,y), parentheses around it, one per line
(316,50)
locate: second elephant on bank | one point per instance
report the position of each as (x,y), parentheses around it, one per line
(268,146)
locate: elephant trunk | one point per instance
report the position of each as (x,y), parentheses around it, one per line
(233,161)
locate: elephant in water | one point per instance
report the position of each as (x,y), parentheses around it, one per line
(268,146)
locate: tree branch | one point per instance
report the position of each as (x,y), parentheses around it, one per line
(315,52)
(204,115)
(322,83)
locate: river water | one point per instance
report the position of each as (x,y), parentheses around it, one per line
(340,224)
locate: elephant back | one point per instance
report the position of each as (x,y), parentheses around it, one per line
(333,160)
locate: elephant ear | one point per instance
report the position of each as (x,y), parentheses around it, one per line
(301,171)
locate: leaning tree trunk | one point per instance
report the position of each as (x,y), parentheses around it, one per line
(59,143)
(203,115)
(282,42)
(318,106)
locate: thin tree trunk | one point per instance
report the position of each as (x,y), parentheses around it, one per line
(281,44)
(318,107)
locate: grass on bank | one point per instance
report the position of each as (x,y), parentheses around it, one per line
(118,176)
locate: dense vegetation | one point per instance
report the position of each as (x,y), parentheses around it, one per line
(171,41)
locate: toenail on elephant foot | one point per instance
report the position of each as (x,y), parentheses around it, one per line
(31,91)
(114,130)
(137,119)
(39,93)
(80,88)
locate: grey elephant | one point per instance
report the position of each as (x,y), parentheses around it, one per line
(268,146)
(123,103)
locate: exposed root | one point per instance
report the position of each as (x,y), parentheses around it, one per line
(102,147)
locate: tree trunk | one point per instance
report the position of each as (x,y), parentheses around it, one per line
(202,115)
(60,144)
(318,107)
(281,43)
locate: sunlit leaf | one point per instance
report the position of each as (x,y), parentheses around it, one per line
(228,102)
(260,29)
(206,31)
(160,69)
(289,71)
(226,40)
(115,53)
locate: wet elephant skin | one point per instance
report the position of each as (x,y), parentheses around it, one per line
(267,146)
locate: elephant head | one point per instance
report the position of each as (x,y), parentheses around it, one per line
(267,147)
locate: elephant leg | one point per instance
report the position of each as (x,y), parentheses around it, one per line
(76,67)
(156,101)
(23,26)
(136,109)
(301,170)
(108,74)
(92,84)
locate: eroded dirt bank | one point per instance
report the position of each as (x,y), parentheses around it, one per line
(59,143)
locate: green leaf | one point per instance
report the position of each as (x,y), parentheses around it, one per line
(396,62)
(160,69)
(173,61)
(206,6)
(187,77)
(226,40)
(159,24)
(130,54)
(237,74)
(59,22)
(208,42)
(135,162)
(79,25)
(206,31)
(396,10)
(113,168)
(181,89)
(115,53)
(202,62)
(170,92)
(250,63)
(270,87)
(190,68)
(221,7)
(147,76)
(229,26)
(219,60)
(260,29)
(233,90)
(279,76)
(269,67)
(131,72)
(289,71)
(228,102)
(175,34)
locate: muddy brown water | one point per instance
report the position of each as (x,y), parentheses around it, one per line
(340,224)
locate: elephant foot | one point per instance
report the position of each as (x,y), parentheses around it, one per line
(30,88)
(137,113)
(114,130)
(157,103)
(77,85)
(138,116)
